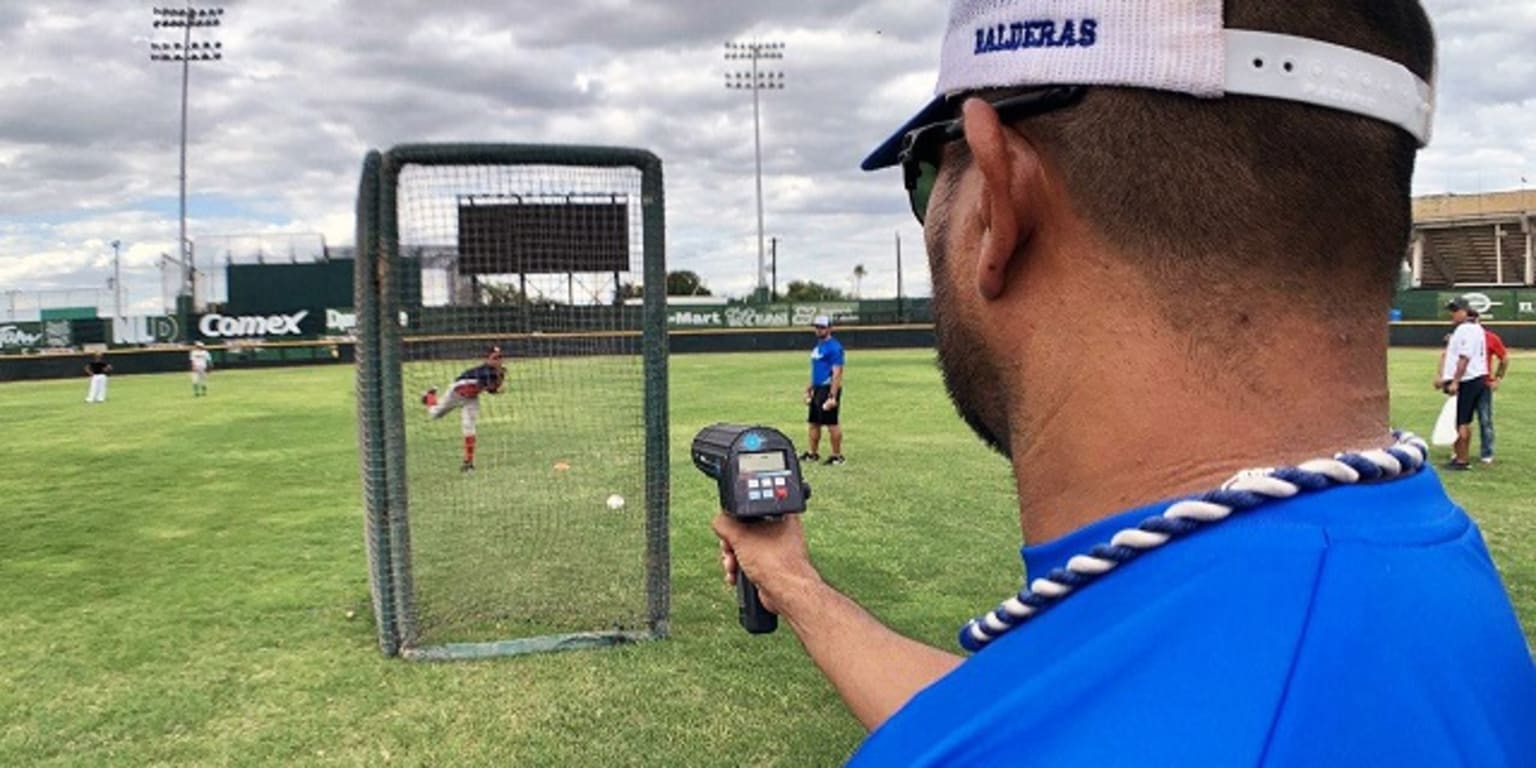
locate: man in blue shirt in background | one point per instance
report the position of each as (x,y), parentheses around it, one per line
(824,393)
(1233,178)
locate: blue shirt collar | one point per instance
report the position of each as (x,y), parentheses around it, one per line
(1334,507)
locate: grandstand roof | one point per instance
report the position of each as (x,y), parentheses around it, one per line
(1450,207)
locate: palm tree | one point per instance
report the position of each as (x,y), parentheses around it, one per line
(858,278)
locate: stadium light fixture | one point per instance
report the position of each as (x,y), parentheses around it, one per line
(756,80)
(185,52)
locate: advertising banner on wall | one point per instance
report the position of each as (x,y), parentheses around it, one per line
(293,325)
(162,329)
(58,334)
(760,315)
(1493,304)
(16,338)
(340,322)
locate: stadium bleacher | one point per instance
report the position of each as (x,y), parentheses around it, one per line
(1474,240)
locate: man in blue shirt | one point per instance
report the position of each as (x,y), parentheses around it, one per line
(1233,178)
(824,393)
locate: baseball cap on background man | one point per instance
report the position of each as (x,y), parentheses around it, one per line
(1458,303)
(1181,48)
(822,321)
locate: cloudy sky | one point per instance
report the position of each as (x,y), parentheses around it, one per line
(89,125)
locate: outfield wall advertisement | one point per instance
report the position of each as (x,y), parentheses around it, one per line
(760,315)
(18,336)
(290,325)
(1495,304)
(49,334)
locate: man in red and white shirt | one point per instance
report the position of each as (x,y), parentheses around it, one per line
(1485,405)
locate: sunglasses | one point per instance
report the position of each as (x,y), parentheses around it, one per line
(922,147)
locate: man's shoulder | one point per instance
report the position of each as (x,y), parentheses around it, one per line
(1097,669)
(1246,627)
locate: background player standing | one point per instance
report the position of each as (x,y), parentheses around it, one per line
(1464,374)
(824,393)
(464,394)
(1496,350)
(201,361)
(97,369)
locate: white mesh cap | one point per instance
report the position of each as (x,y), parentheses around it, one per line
(1167,46)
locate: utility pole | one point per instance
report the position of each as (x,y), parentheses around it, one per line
(773,294)
(756,80)
(186,52)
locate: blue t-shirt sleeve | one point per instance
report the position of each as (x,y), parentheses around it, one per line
(1276,644)
(835,353)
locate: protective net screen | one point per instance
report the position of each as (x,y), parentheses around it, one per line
(525,475)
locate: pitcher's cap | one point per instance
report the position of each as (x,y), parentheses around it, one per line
(1180,47)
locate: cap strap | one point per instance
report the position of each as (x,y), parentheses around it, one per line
(1328,75)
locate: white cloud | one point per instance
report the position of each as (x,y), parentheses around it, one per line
(89,133)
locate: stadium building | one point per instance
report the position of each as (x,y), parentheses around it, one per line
(1482,246)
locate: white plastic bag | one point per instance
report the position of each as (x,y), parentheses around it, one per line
(1445,426)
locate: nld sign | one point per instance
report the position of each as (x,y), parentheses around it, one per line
(249,326)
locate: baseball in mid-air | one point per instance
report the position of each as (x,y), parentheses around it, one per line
(615,502)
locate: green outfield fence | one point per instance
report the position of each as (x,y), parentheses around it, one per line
(685,342)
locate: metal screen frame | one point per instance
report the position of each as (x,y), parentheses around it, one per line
(381,417)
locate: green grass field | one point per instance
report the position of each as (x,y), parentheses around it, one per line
(493,550)
(182,581)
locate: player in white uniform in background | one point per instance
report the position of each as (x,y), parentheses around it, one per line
(464,394)
(202,360)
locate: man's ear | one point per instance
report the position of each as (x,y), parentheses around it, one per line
(1008,167)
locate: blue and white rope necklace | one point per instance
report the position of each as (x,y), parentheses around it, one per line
(1245,491)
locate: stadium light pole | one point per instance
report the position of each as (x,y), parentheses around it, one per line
(185,52)
(117,284)
(756,80)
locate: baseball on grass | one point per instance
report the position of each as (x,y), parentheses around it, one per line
(615,502)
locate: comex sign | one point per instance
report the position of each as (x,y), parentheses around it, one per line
(244,326)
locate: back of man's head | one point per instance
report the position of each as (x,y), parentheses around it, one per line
(1226,198)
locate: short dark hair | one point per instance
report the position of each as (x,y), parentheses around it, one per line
(1242,191)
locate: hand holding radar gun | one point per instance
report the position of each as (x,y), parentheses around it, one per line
(759,480)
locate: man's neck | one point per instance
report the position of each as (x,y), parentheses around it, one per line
(1132,421)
